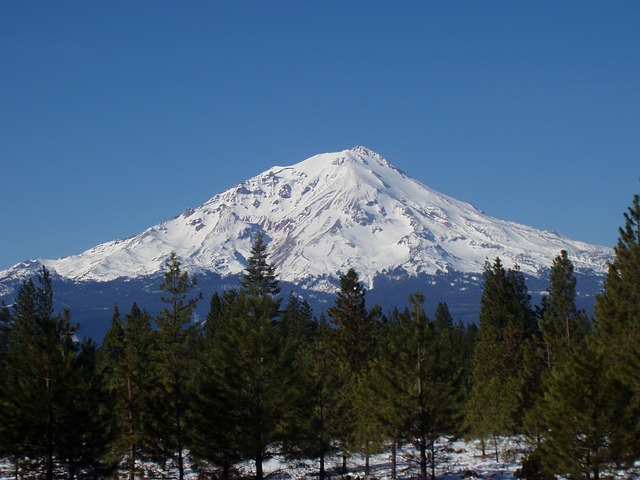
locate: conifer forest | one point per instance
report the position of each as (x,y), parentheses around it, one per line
(264,375)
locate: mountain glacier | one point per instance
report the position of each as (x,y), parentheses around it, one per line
(322,216)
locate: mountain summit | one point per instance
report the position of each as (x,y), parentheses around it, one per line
(323,215)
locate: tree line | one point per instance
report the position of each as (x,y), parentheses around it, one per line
(264,376)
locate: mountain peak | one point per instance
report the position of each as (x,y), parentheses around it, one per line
(325,215)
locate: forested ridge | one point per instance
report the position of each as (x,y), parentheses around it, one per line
(263,376)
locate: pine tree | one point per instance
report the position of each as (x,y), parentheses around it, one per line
(5,328)
(87,423)
(506,324)
(354,326)
(220,310)
(259,278)
(53,416)
(297,321)
(387,383)
(249,367)
(174,362)
(562,329)
(253,368)
(124,360)
(617,311)
(417,379)
(214,439)
(353,340)
(585,410)
(562,325)
(319,414)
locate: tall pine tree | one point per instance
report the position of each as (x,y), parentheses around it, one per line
(495,406)
(562,325)
(617,311)
(353,340)
(249,367)
(585,409)
(174,363)
(52,409)
(124,360)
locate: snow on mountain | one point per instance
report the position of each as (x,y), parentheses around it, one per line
(326,214)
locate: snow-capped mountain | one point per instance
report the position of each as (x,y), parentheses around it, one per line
(323,215)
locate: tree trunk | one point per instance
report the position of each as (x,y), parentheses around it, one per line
(394,460)
(180,446)
(49,430)
(367,466)
(423,458)
(226,470)
(259,472)
(321,475)
(433,458)
(132,444)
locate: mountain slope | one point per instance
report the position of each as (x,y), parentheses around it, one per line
(326,214)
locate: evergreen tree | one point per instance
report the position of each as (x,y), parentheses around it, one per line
(354,326)
(506,325)
(353,340)
(617,311)
(87,423)
(562,325)
(220,311)
(562,329)
(297,321)
(249,367)
(252,370)
(174,362)
(53,416)
(124,360)
(214,442)
(585,410)
(387,383)
(259,278)
(5,328)
(417,379)
(320,411)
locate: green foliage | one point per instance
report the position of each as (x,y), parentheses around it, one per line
(5,328)
(258,380)
(53,410)
(354,333)
(585,410)
(533,468)
(617,312)
(353,341)
(124,363)
(248,367)
(259,278)
(297,321)
(173,360)
(322,407)
(507,325)
(562,325)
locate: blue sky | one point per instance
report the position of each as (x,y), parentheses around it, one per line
(118,115)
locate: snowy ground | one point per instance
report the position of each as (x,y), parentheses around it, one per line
(464,460)
(459,459)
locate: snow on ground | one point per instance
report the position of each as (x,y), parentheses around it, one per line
(462,460)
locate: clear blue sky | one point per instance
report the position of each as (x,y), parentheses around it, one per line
(117,115)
